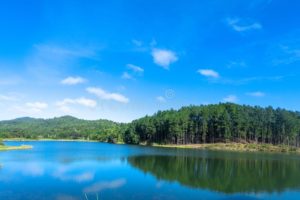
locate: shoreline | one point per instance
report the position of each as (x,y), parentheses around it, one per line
(46,140)
(9,148)
(230,146)
(234,147)
(55,140)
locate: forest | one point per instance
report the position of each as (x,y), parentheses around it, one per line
(224,122)
(65,127)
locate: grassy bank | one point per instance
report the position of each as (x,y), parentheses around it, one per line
(247,147)
(7,148)
(47,139)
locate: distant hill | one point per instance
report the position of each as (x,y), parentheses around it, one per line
(66,127)
(24,119)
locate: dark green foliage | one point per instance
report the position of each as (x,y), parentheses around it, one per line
(217,123)
(61,128)
(130,138)
(189,125)
(224,174)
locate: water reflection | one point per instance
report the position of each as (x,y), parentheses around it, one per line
(104,185)
(227,175)
(65,197)
(69,171)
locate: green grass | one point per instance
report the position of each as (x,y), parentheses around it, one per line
(243,147)
(22,147)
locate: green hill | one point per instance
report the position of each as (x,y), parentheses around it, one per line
(225,122)
(65,127)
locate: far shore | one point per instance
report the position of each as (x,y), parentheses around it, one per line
(238,147)
(46,139)
(230,146)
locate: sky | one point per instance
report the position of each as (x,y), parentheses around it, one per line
(124,59)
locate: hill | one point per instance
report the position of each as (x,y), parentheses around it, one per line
(224,122)
(66,127)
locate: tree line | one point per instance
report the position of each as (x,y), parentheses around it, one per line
(65,127)
(224,122)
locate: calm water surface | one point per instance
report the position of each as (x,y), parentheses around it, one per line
(76,170)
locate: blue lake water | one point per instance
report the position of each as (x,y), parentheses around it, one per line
(82,170)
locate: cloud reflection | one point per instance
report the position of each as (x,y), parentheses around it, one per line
(29,169)
(100,186)
(66,197)
(66,174)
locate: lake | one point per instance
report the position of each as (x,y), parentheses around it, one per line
(83,170)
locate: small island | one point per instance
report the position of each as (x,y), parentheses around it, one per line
(4,147)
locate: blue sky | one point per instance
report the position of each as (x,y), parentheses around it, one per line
(123,59)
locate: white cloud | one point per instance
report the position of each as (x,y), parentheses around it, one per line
(126,75)
(11,80)
(241,25)
(73,80)
(79,101)
(161,99)
(31,107)
(7,98)
(163,57)
(231,98)
(208,73)
(67,109)
(256,94)
(102,94)
(37,105)
(135,68)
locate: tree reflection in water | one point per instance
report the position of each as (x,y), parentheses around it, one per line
(227,175)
